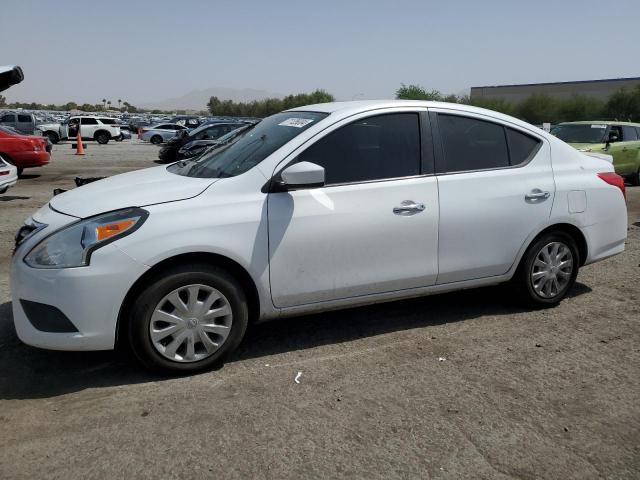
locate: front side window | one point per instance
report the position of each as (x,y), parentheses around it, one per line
(629,134)
(374,148)
(89,121)
(249,147)
(8,118)
(470,144)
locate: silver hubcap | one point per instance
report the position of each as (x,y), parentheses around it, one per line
(191,323)
(552,270)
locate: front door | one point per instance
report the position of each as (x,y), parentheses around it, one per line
(372,228)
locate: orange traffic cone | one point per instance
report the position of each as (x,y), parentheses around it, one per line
(79,146)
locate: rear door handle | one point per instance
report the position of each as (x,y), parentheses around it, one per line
(409,207)
(537,194)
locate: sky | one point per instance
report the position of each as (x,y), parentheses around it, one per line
(142,51)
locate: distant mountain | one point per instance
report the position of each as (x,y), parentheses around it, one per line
(198,99)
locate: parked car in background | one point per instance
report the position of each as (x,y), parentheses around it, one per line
(100,129)
(621,140)
(8,175)
(158,134)
(196,141)
(316,208)
(124,135)
(23,151)
(21,121)
(189,121)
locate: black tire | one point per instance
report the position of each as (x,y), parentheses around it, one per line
(522,282)
(140,315)
(634,179)
(156,140)
(119,138)
(102,138)
(20,170)
(52,136)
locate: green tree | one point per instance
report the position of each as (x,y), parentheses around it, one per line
(538,108)
(3,101)
(416,92)
(267,106)
(624,105)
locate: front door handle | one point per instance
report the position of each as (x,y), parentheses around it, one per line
(409,207)
(537,194)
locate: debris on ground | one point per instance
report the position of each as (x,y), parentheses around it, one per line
(297,379)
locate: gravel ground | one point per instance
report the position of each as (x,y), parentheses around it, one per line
(462,385)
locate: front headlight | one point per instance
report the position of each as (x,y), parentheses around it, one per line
(73,245)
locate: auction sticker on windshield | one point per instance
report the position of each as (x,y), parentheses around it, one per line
(598,126)
(296,122)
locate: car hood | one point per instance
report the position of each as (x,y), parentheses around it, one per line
(133,189)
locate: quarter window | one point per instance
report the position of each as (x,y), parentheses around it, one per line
(374,148)
(521,146)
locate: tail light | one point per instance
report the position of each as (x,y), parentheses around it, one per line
(615,180)
(4,172)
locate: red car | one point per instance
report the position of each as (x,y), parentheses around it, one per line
(24,151)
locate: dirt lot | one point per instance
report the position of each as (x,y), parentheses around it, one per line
(520,394)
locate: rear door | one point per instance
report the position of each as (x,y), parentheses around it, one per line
(25,123)
(88,127)
(629,151)
(496,187)
(372,228)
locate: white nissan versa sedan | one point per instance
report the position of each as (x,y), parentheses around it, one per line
(319,207)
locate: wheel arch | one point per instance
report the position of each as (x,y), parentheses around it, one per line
(568,228)
(101,130)
(231,266)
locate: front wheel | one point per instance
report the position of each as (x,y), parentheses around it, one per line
(634,179)
(548,270)
(188,319)
(52,136)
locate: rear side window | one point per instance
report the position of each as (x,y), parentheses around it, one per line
(24,118)
(374,148)
(8,118)
(89,121)
(629,134)
(472,144)
(522,147)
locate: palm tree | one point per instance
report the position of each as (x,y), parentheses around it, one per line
(119,102)
(104,102)
(109,104)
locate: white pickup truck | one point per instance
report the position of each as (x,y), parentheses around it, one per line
(100,129)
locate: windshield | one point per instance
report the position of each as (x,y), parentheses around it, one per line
(580,133)
(249,147)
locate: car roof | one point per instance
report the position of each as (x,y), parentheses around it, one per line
(601,122)
(346,109)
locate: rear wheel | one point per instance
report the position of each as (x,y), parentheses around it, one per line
(156,140)
(188,319)
(102,138)
(52,136)
(634,179)
(20,170)
(548,270)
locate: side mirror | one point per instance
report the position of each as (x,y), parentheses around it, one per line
(302,175)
